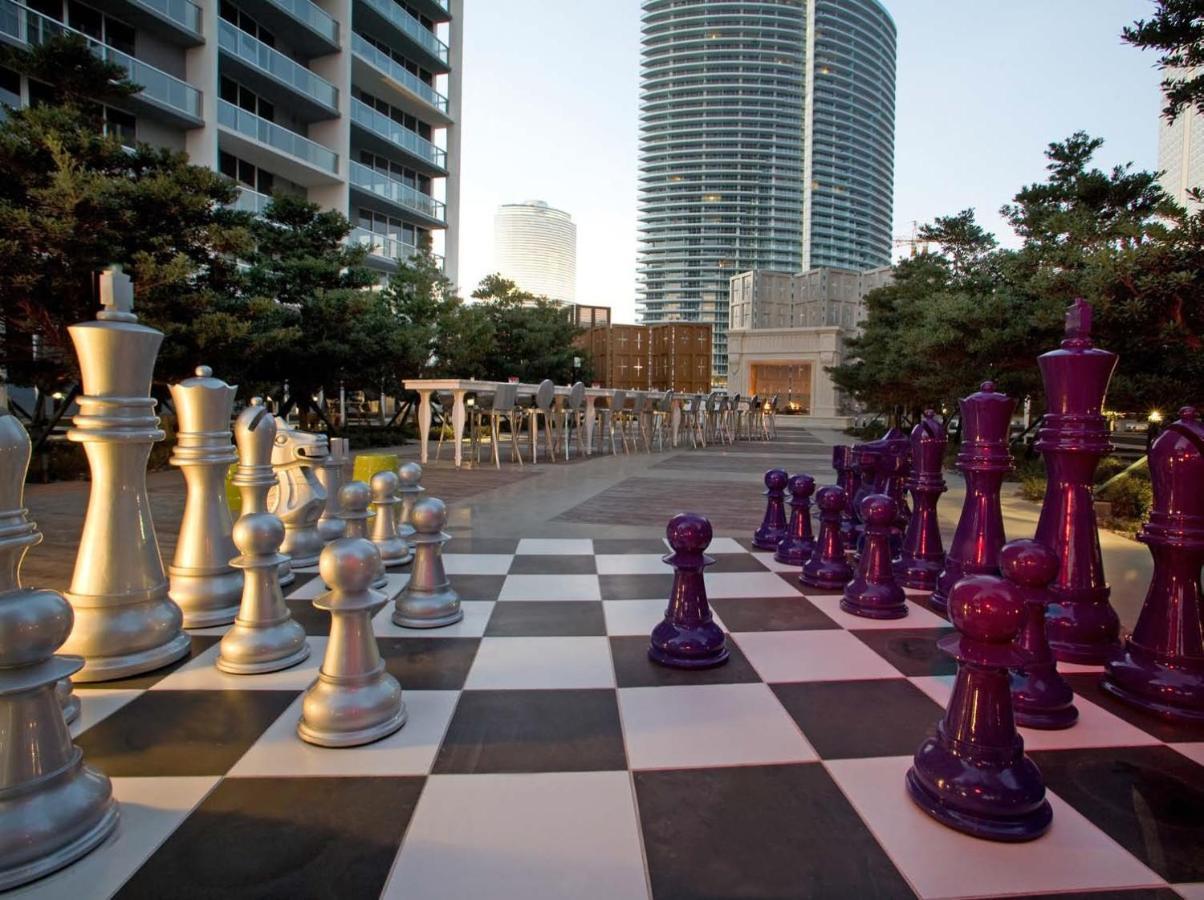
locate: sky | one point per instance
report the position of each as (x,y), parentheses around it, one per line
(551,102)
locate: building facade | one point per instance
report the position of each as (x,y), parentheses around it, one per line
(672,357)
(1181,155)
(535,246)
(352,104)
(766,142)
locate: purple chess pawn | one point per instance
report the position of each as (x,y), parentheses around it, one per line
(827,568)
(923,554)
(773,525)
(795,548)
(1162,666)
(1041,698)
(688,637)
(873,592)
(848,479)
(972,775)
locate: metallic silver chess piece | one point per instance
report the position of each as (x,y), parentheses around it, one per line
(354,700)
(67,699)
(298,498)
(428,600)
(255,435)
(53,808)
(125,623)
(393,548)
(411,490)
(330,476)
(354,499)
(265,637)
(203,583)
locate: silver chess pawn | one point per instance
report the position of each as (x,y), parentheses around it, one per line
(330,476)
(354,700)
(203,583)
(298,498)
(125,623)
(393,548)
(428,600)
(354,499)
(255,435)
(53,808)
(265,637)
(410,492)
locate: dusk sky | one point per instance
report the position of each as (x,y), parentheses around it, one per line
(550,112)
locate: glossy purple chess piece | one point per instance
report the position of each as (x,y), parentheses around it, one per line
(865,464)
(795,548)
(984,459)
(848,479)
(688,637)
(972,775)
(827,568)
(1162,666)
(873,593)
(1041,698)
(773,525)
(1083,627)
(923,554)
(893,470)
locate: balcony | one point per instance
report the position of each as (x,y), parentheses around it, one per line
(380,186)
(432,52)
(276,77)
(176,21)
(162,96)
(392,136)
(435,10)
(380,74)
(276,149)
(382,250)
(250,201)
(304,25)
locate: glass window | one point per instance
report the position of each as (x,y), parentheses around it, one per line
(85,19)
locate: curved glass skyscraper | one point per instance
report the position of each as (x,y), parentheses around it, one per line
(732,116)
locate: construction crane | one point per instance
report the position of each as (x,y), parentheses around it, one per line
(915,242)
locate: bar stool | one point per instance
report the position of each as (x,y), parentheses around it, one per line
(573,411)
(612,420)
(695,416)
(633,419)
(541,408)
(662,416)
(772,417)
(505,406)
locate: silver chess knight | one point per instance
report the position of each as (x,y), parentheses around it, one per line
(265,637)
(298,498)
(354,499)
(428,600)
(125,623)
(203,583)
(354,701)
(53,808)
(410,492)
(330,476)
(393,548)
(255,435)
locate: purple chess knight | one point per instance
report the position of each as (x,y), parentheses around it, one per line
(1162,666)
(688,637)
(827,568)
(1083,627)
(773,524)
(923,554)
(795,548)
(972,775)
(984,459)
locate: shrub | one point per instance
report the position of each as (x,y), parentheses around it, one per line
(1032,487)
(1109,466)
(1130,498)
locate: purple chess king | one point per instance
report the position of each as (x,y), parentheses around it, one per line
(984,458)
(1083,627)
(972,775)
(688,637)
(795,548)
(773,525)
(1162,667)
(923,554)
(827,568)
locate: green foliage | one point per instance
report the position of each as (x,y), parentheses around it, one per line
(1108,467)
(1130,497)
(532,338)
(1176,29)
(1032,487)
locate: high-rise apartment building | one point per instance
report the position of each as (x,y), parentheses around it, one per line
(1181,155)
(350,103)
(766,142)
(535,246)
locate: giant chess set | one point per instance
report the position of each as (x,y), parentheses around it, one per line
(330,695)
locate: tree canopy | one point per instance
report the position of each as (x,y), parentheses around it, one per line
(1177,30)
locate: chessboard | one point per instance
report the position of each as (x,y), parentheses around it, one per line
(546,757)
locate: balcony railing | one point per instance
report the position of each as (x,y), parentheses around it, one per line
(410,26)
(256,53)
(182,12)
(28,27)
(385,247)
(382,185)
(399,73)
(398,135)
(251,201)
(265,132)
(313,17)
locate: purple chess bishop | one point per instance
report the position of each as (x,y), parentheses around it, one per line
(972,775)
(848,479)
(1041,698)
(688,637)
(873,592)
(923,554)
(773,525)
(1162,666)
(827,568)
(984,459)
(795,548)
(1083,627)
